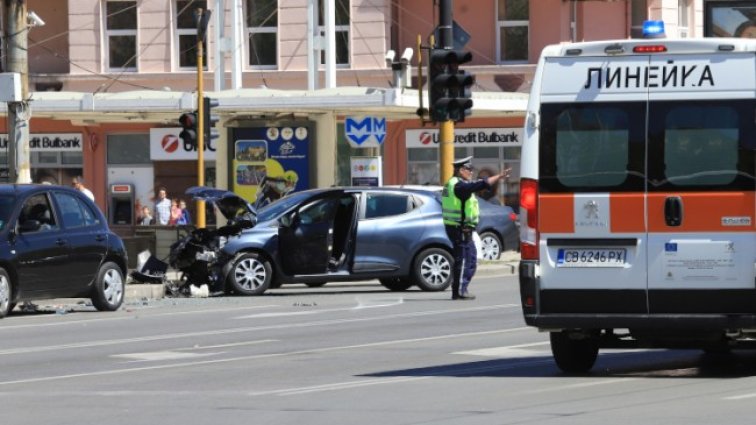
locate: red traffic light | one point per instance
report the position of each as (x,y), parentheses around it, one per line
(188,120)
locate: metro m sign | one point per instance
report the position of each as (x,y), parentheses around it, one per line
(365,132)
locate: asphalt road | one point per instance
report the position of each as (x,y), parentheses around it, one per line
(343,354)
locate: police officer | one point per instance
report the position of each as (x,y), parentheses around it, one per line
(460,214)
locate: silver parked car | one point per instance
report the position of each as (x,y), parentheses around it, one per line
(340,234)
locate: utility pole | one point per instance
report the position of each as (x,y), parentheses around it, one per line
(446,130)
(16,38)
(202,17)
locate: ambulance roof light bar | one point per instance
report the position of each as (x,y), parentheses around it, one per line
(653,29)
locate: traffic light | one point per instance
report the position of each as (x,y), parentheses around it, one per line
(450,88)
(209,120)
(188,133)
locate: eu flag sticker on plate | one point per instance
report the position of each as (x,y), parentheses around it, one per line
(670,247)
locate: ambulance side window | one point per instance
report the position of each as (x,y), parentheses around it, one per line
(592,147)
(701,145)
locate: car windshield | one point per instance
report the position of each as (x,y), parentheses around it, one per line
(6,208)
(275,209)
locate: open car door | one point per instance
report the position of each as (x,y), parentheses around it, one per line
(305,235)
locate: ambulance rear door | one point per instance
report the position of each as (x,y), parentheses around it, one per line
(701,202)
(591,185)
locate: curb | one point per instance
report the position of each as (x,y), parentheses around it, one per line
(135,292)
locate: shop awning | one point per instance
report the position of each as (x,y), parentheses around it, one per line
(165,106)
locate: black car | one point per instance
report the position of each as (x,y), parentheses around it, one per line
(55,243)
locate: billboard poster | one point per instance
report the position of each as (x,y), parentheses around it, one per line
(366,171)
(270,162)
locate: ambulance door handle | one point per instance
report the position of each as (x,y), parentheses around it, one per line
(673,211)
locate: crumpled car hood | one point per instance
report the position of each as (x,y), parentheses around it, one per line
(228,203)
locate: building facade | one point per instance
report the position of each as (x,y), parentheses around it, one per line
(114,46)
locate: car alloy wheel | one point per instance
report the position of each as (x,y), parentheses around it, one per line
(433,270)
(5,294)
(490,246)
(109,288)
(251,274)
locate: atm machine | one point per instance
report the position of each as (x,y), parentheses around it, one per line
(121,208)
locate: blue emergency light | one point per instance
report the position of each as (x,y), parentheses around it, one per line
(653,29)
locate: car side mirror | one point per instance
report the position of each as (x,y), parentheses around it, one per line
(286,220)
(29,226)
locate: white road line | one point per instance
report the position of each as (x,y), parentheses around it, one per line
(395,380)
(740,397)
(164,337)
(509,351)
(260,356)
(129,317)
(582,385)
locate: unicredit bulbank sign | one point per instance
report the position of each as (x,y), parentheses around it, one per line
(165,145)
(473,137)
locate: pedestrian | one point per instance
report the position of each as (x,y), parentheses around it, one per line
(175,213)
(460,215)
(78,184)
(162,208)
(185,218)
(146,218)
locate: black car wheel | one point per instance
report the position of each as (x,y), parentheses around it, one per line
(397,284)
(490,245)
(433,269)
(574,355)
(108,288)
(5,293)
(250,275)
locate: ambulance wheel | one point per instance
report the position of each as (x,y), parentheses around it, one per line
(574,355)
(433,269)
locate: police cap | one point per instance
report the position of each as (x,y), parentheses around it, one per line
(463,163)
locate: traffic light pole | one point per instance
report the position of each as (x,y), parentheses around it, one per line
(200,135)
(446,136)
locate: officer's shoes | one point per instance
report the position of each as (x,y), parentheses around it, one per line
(466,296)
(455,296)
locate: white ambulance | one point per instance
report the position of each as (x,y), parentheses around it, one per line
(637,197)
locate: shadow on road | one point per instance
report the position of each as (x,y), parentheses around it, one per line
(643,364)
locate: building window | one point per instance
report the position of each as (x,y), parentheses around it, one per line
(639,14)
(342,30)
(262,32)
(128,149)
(121,33)
(186,31)
(683,18)
(512,26)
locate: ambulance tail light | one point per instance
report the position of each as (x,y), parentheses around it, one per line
(529,219)
(656,48)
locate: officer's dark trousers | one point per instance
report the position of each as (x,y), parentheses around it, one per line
(465,258)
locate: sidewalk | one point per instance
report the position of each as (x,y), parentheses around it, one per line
(506,265)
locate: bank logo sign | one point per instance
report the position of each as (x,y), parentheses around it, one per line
(165,145)
(474,137)
(50,142)
(365,132)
